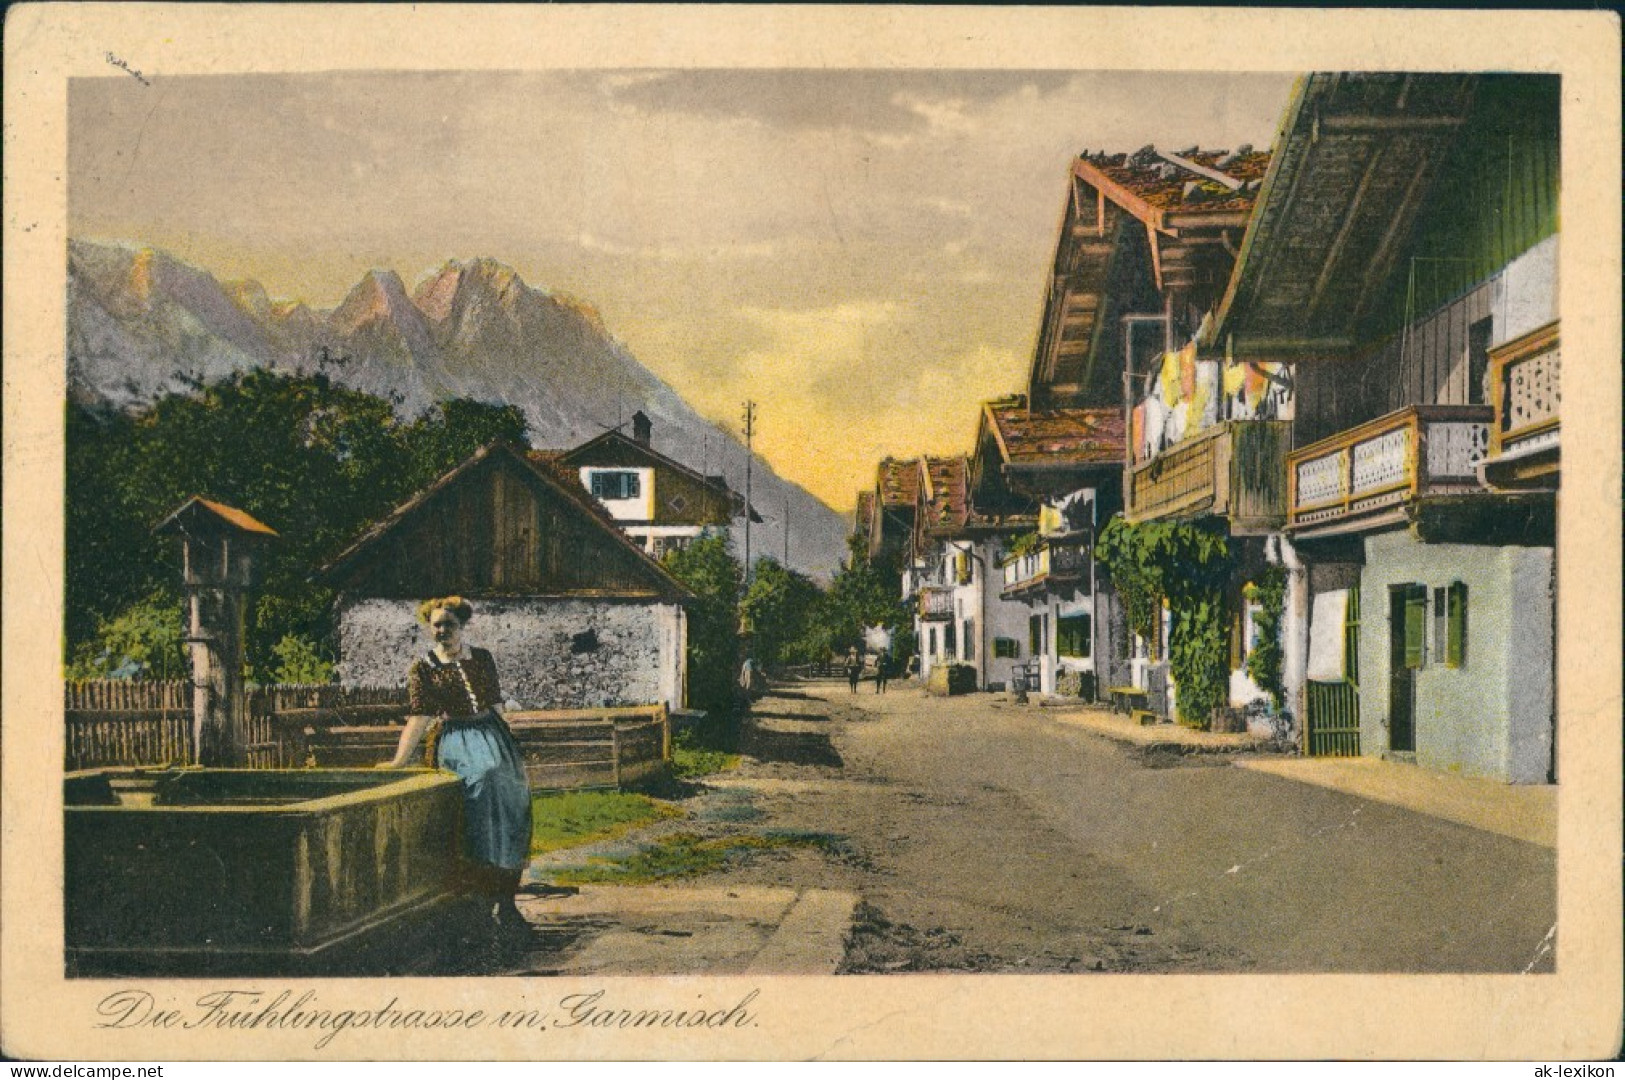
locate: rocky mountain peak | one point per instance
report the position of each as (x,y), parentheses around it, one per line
(380,296)
(472,328)
(251,296)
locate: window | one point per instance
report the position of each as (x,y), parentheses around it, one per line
(661,546)
(1035,635)
(950,647)
(1006,648)
(1072,636)
(615,485)
(933,638)
(970,639)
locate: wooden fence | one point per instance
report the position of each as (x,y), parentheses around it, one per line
(135,722)
(119,722)
(563,750)
(125,722)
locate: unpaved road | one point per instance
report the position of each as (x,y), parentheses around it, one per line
(993,837)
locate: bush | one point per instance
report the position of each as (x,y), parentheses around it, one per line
(1264,663)
(142,641)
(1188,564)
(298,662)
(708,567)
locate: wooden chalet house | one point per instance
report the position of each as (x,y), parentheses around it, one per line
(956,552)
(1146,247)
(1399,273)
(891,523)
(575,614)
(662,504)
(1060,469)
(863,516)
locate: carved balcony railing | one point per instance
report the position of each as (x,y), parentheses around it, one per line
(1368,475)
(1526,384)
(1231,470)
(1061,566)
(936,602)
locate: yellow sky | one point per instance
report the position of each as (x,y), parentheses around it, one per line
(862,253)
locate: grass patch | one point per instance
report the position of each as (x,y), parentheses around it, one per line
(687,855)
(690,759)
(580,817)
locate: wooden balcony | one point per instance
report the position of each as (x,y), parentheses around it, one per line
(936,603)
(1231,470)
(1062,567)
(1527,392)
(1370,475)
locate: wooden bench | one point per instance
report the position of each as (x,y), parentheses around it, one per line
(1127,699)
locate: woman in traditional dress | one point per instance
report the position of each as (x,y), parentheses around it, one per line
(454,698)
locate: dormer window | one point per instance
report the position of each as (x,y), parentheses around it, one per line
(615,485)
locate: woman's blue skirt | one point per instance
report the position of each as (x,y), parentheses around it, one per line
(496,796)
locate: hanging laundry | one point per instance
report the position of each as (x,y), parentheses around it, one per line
(1327,614)
(1173,425)
(1156,419)
(1170,383)
(1235,378)
(1255,384)
(1203,411)
(1187,371)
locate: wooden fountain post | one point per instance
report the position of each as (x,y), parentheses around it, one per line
(218,548)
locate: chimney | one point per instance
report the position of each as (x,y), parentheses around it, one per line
(640,428)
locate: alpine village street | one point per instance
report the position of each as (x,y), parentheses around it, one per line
(976,834)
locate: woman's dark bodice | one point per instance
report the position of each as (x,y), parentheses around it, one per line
(436,688)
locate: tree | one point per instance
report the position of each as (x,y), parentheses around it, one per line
(316,461)
(779,605)
(862,594)
(708,567)
(448,433)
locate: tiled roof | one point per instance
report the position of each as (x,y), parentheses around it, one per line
(947,503)
(552,462)
(1167,182)
(865,511)
(897,481)
(1058,436)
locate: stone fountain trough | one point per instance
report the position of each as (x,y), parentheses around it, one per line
(251,862)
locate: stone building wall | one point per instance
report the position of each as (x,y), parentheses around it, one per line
(551,653)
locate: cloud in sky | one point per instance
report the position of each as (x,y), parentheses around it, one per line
(863,250)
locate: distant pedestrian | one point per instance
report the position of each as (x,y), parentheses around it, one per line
(854,668)
(882,670)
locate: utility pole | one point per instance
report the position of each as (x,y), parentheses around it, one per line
(750,430)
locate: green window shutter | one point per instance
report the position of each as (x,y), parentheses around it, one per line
(1455,654)
(1416,626)
(1351,639)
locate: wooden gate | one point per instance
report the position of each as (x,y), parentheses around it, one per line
(1334,719)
